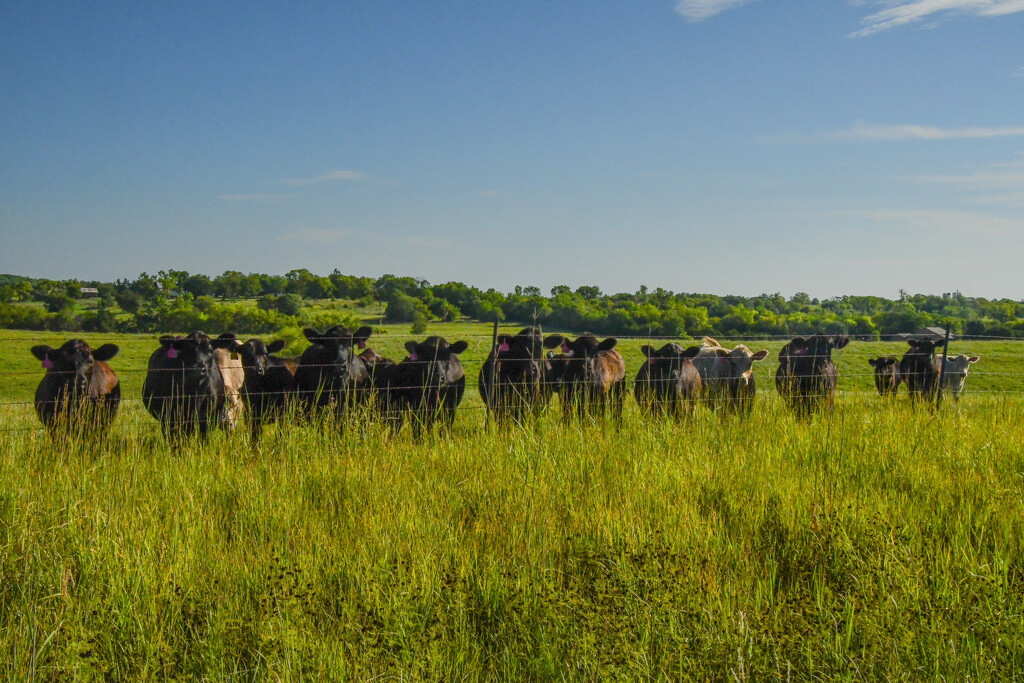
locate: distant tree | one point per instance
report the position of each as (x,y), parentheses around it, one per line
(289,304)
(198,285)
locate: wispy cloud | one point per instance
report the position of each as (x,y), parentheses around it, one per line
(315,236)
(255,197)
(697,10)
(329,236)
(942,223)
(862,132)
(994,184)
(903,12)
(329,177)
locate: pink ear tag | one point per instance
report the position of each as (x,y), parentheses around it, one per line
(47,363)
(172,352)
(413,356)
(502,347)
(565,347)
(362,345)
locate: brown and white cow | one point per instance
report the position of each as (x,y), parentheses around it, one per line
(728,374)
(667,382)
(955,373)
(79,390)
(594,375)
(233,374)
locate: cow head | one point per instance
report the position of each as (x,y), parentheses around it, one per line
(669,357)
(339,346)
(809,355)
(519,356)
(886,373)
(584,346)
(73,362)
(434,364)
(959,366)
(256,355)
(924,347)
(194,356)
(737,365)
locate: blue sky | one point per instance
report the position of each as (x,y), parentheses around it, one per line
(725,146)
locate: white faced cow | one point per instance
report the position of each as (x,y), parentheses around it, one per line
(728,374)
(955,373)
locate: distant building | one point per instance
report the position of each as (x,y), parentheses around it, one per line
(89,292)
(936,333)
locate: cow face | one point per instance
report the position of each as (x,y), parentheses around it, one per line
(959,366)
(668,357)
(194,356)
(432,374)
(737,365)
(256,355)
(584,346)
(339,346)
(72,364)
(809,356)
(887,376)
(519,357)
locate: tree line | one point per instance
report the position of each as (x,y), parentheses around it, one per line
(260,303)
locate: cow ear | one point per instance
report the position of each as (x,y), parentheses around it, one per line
(165,341)
(105,352)
(312,335)
(721,353)
(458,347)
(42,351)
(504,339)
(410,346)
(973,359)
(691,352)
(553,341)
(362,334)
(646,350)
(277,345)
(608,344)
(760,355)
(875,362)
(840,342)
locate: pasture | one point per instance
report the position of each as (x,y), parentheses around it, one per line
(881,541)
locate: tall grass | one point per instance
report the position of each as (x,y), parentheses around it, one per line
(878,542)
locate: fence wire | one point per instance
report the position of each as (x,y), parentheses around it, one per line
(763,372)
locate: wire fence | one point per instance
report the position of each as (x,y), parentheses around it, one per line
(994,375)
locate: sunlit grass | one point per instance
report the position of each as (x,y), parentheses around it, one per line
(879,542)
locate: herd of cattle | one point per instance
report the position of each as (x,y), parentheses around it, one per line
(196,382)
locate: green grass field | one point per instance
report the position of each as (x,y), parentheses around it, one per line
(880,541)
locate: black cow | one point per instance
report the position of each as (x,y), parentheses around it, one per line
(887,374)
(667,382)
(918,369)
(427,385)
(183,388)
(520,388)
(269,382)
(79,390)
(594,375)
(806,376)
(330,376)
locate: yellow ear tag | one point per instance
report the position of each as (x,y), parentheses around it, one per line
(234,355)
